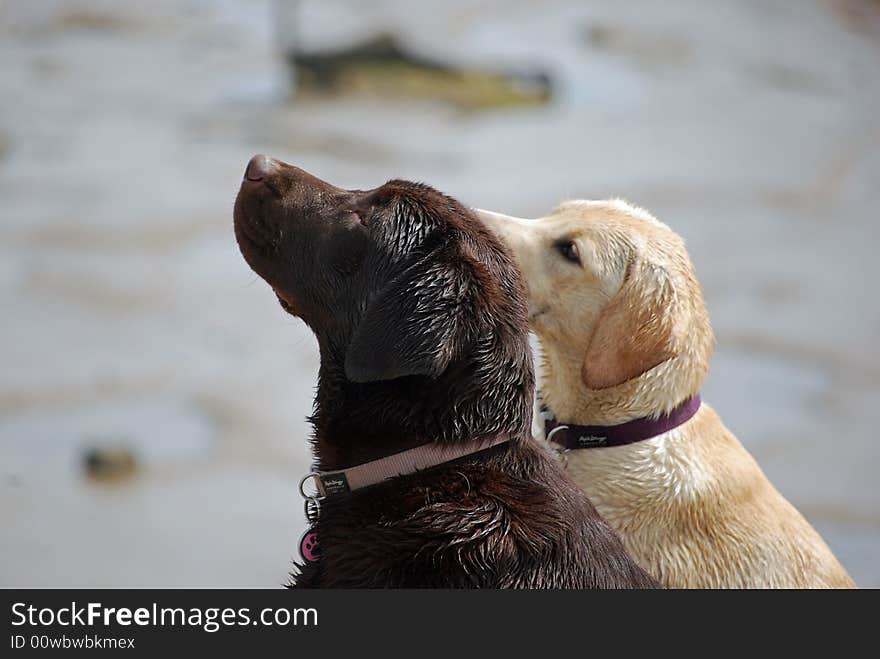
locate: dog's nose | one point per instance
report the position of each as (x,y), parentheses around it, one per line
(259,167)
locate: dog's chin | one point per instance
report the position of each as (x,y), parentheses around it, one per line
(537,313)
(285,303)
(255,250)
(541,320)
(260,255)
(256,239)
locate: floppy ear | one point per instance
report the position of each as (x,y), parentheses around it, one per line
(635,331)
(411,327)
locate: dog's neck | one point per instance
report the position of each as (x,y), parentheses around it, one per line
(355,423)
(658,391)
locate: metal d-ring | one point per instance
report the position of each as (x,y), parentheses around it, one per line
(560,451)
(312,504)
(302,482)
(547,438)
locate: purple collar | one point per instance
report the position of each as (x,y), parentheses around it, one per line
(570,436)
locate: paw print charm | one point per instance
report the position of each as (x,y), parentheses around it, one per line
(308,546)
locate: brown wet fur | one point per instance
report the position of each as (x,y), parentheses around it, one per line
(421,323)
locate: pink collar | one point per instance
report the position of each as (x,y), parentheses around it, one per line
(332,483)
(335,483)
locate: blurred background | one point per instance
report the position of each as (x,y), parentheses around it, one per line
(153,394)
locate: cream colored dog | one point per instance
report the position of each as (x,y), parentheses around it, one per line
(625,335)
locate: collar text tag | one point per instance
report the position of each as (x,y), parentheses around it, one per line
(334,483)
(591,441)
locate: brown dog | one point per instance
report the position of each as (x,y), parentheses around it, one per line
(421,322)
(626,340)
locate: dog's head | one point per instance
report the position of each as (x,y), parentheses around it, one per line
(611,287)
(396,282)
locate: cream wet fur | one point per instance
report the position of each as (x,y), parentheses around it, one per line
(625,334)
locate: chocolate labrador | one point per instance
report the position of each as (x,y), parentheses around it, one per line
(427,473)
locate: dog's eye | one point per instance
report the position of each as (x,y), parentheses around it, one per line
(569,251)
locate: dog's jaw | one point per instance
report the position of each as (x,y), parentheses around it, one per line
(536,312)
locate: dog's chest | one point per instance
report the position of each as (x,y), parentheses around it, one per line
(639,488)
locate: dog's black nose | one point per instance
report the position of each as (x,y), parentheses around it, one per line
(259,167)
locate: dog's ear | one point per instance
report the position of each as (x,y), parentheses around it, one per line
(635,332)
(412,327)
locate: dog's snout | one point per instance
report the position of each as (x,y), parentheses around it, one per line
(259,167)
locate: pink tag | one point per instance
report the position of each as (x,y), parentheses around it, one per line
(308,546)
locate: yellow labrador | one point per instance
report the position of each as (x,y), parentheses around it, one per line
(626,346)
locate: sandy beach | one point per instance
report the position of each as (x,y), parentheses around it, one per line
(130,318)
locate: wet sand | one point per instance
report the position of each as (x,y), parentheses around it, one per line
(130,317)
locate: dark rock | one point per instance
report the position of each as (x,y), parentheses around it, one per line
(383,67)
(109,462)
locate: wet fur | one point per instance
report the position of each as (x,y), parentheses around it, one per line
(429,343)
